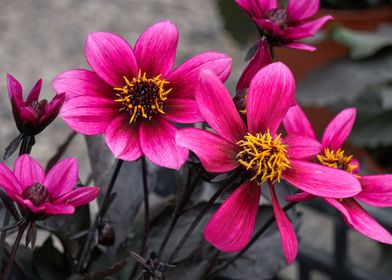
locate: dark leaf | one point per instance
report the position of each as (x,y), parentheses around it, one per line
(31,235)
(13,146)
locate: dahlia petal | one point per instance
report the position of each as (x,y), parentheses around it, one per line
(28,171)
(231,227)
(356,163)
(287,233)
(184,79)
(28,204)
(338,129)
(89,115)
(215,153)
(26,115)
(376,190)
(156,47)
(111,57)
(306,29)
(34,93)
(321,180)
(14,89)
(299,197)
(302,9)
(8,182)
(296,121)
(270,95)
(301,147)
(62,177)
(269,27)
(182,111)
(52,109)
(122,139)
(257,8)
(158,143)
(79,196)
(261,58)
(299,46)
(342,209)
(82,82)
(62,209)
(217,107)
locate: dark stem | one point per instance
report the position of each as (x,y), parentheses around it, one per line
(198,218)
(8,227)
(3,235)
(27,143)
(253,240)
(14,250)
(85,254)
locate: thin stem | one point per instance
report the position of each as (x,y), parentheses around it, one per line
(253,240)
(27,143)
(85,254)
(14,250)
(8,227)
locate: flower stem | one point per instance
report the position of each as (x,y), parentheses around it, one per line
(253,240)
(85,254)
(14,250)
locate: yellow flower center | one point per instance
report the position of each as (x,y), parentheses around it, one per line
(142,97)
(265,156)
(336,159)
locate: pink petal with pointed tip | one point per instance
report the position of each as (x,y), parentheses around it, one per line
(14,88)
(82,82)
(8,182)
(321,181)
(231,227)
(182,111)
(270,95)
(215,153)
(301,147)
(184,79)
(62,177)
(79,196)
(29,205)
(122,139)
(269,27)
(299,46)
(376,190)
(302,9)
(338,129)
(34,93)
(261,58)
(62,209)
(299,197)
(296,121)
(28,171)
(156,47)
(304,30)
(111,57)
(342,209)
(158,143)
(52,109)
(287,233)
(217,107)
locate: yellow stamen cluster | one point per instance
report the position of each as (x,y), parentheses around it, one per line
(265,156)
(336,159)
(142,96)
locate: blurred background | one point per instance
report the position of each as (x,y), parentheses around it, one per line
(351,67)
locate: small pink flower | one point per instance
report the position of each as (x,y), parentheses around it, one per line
(376,189)
(47,194)
(263,154)
(285,26)
(32,116)
(133,96)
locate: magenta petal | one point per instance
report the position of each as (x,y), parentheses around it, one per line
(156,47)
(270,95)
(299,197)
(182,111)
(157,139)
(28,204)
(376,190)
(269,27)
(321,181)
(287,233)
(111,57)
(184,79)
(261,58)
(34,93)
(296,121)
(62,177)
(215,153)
(79,196)
(89,115)
(82,82)
(217,107)
(231,227)
(14,89)
(306,29)
(8,182)
(299,46)
(301,147)
(122,139)
(301,9)
(62,209)
(28,171)
(338,129)
(342,209)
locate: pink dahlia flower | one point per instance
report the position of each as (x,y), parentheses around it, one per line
(133,96)
(32,116)
(376,189)
(263,154)
(46,194)
(285,26)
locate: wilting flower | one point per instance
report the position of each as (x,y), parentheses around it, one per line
(133,96)
(46,194)
(284,26)
(256,147)
(376,189)
(32,116)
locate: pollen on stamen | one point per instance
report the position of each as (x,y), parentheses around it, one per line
(337,159)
